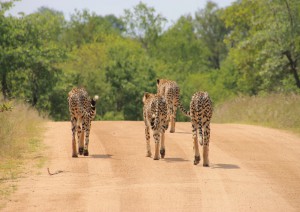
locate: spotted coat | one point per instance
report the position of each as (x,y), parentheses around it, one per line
(155,116)
(201,114)
(171,91)
(82,110)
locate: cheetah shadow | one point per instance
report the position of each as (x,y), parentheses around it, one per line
(107,156)
(183,133)
(173,160)
(224,166)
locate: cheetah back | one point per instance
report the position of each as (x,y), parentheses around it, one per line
(201,108)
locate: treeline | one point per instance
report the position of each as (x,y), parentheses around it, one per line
(251,48)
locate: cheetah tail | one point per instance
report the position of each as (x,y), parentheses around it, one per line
(93,101)
(96,97)
(155,117)
(183,110)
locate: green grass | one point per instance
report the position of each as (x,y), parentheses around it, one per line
(274,110)
(20,142)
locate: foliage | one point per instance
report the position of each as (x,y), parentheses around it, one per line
(128,75)
(265,39)
(211,30)
(142,23)
(180,48)
(85,27)
(7,106)
(249,48)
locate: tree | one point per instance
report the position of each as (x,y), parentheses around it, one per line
(143,24)
(265,40)
(85,27)
(10,41)
(212,31)
(179,46)
(39,54)
(130,73)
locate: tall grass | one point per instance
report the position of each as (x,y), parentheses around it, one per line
(20,136)
(274,110)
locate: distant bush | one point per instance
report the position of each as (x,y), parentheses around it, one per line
(274,110)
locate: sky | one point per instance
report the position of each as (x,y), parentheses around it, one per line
(171,9)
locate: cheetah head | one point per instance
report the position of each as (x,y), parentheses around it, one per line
(147,96)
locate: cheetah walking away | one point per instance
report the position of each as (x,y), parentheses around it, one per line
(170,90)
(155,116)
(201,113)
(82,110)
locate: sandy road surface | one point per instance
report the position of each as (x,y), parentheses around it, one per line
(252,169)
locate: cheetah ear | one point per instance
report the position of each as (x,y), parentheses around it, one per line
(146,95)
(157,81)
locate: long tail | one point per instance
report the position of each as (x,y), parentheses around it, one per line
(183,110)
(155,117)
(176,93)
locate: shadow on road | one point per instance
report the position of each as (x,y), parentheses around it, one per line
(183,132)
(225,166)
(172,160)
(101,156)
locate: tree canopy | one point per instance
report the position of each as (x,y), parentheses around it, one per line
(251,47)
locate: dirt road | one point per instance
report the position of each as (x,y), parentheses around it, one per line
(251,169)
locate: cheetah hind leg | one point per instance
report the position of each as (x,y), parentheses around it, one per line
(162,153)
(74,152)
(162,147)
(172,129)
(197,160)
(86,152)
(80,140)
(196,148)
(80,150)
(200,133)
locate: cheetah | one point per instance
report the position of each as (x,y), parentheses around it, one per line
(82,110)
(155,116)
(201,113)
(170,90)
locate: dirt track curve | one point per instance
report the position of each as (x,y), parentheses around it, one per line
(251,169)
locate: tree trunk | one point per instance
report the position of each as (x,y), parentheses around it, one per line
(296,76)
(293,66)
(35,95)
(4,86)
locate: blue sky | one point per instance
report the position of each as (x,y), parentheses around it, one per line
(171,9)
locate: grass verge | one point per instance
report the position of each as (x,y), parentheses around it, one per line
(20,141)
(275,110)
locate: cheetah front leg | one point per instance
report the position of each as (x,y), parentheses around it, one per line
(73,124)
(156,137)
(196,146)
(148,148)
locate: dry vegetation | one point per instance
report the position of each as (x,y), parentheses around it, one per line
(276,110)
(20,135)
